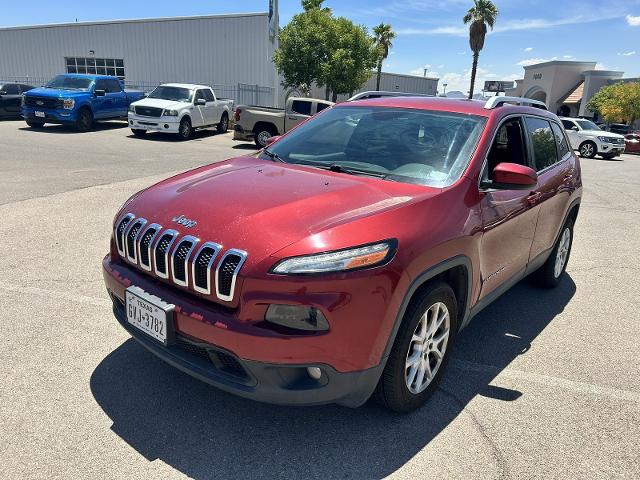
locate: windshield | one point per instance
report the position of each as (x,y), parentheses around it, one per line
(70,83)
(587,125)
(177,94)
(405,145)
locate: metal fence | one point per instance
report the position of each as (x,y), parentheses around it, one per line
(240,93)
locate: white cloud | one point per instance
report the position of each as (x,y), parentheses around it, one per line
(627,54)
(568,57)
(460,81)
(440,66)
(532,61)
(601,66)
(528,49)
(420,71)
(633,21)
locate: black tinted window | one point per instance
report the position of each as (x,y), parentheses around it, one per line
(10,89)
(563,148)
(567,124)
(200,95)
(102,85)
(208,95)
(322,106)
(543,142)
(26,88)
(302,107)
(508,146)
(114,86)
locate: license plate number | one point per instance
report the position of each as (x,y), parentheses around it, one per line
(148,313)
(40,114)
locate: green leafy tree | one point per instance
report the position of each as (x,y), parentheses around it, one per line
(619,102)
(482,14)
(384,36)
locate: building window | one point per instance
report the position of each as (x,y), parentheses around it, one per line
(96,66)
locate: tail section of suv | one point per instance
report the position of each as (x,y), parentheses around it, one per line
(342,261)
(589,140)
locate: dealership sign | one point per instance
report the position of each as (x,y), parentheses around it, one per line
(497,86)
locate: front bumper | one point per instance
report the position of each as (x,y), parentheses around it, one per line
(225,363)
(610,149)
(153,124)
(61,116)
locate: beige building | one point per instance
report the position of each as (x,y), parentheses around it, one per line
(566,87)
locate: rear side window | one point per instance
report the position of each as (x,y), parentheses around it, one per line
(302,107)
(322,106)
(208,96)
(543,142)
(563,148)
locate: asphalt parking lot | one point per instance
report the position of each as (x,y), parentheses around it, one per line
(543,384)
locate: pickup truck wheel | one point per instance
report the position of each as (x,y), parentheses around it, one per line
(261,137)
(185,130)
(588,149)
(421,350)
(35,124)
(84,121)
(139,133)
(223,126)
(550,274)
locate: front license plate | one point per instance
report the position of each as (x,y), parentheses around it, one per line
(40,114)
(149,314)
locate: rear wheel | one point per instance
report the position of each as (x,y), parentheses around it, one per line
(608,156)
(550,274)
(33,124)
(421,350)
(185,130)
(139,133)
(588,149)
(261,135)
(84,121)
(223,126)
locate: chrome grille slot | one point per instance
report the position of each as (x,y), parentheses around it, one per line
(131,237)
(201,267)
(227,273)
(161,253)
(144,248)
(180,259)
(119,233)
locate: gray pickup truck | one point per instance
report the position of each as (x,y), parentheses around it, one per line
(261,123)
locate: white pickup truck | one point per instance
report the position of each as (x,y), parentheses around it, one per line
(261,123)
(179,108)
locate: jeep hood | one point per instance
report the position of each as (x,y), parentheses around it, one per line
(262,207)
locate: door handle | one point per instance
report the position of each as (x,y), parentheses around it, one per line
(533,198)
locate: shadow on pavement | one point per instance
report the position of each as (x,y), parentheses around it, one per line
(67,129)
(205,433)
(197,135)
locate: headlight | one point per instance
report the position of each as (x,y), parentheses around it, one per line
(170,113)
(366,256)
(68,103)
(132,109)
(606,139)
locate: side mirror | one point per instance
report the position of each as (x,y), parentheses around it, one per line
(575,129)
(99,93)
(511,176)
(200,101)
(273,139)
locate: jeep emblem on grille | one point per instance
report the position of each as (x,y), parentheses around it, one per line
(182,220)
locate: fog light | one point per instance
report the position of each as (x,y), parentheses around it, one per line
(314,372)
(130,122)
(297,317)
(166,125)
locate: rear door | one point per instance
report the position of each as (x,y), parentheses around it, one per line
(508,216)
(556,169)
(11,99)
(299,111)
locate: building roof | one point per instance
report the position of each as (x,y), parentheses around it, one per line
(575,95)
(560,63)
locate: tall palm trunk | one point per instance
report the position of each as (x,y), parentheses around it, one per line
(473,73)
(379,75)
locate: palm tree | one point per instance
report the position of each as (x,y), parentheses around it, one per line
(483,13)
(384,35)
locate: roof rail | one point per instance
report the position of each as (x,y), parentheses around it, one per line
(495,102)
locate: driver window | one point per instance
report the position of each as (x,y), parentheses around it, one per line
(508,146)
(200,95)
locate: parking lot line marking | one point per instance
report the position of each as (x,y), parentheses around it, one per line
(548,380)
(97,302)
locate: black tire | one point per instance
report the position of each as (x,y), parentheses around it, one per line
(261,134)
(392,390)
(223,126)
(139,133)
(547,276)
(33,124)
(84,122)
(608,156)
(588,149)
(185,130)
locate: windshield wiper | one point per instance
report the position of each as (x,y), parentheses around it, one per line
(334,167)
(273,156)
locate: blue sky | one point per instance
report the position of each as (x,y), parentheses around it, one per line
(430,32)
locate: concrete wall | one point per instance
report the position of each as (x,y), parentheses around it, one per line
(594,80)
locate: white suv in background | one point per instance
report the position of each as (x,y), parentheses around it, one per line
(590,140)
(179,108)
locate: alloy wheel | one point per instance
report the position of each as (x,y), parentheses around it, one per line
(263,137)
(586,150)
(427,348)
(562,253)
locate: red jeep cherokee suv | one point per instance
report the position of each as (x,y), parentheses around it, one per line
(343,259)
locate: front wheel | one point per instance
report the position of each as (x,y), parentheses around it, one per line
(33,124)
(84,121)
(421,350)
(588,150)
(609,156)
(550,274)
(185,130)
(139,133)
